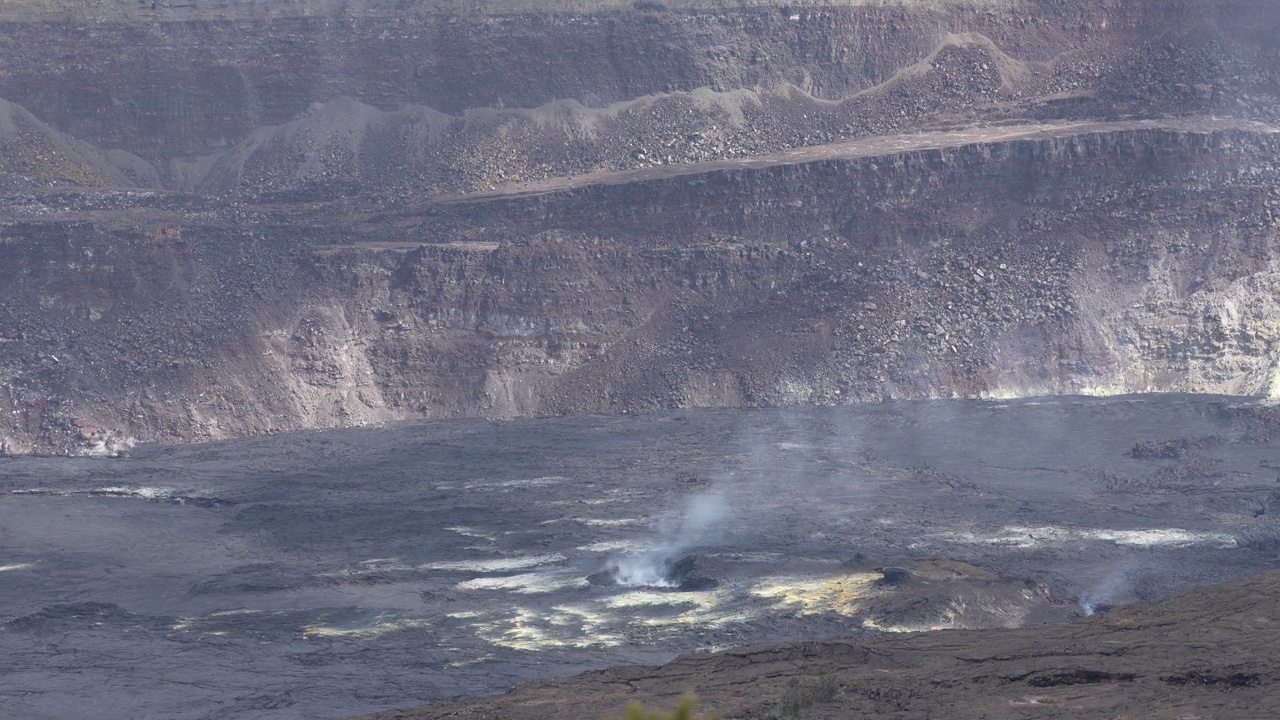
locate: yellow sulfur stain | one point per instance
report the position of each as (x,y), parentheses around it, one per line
(643,598)
(703,608)
(842,594)
(525,630)
(873,625)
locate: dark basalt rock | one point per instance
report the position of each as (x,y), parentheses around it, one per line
(603,578)
(893,577)
(688,574)
(108,617)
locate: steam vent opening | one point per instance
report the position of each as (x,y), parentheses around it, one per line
(397,359)
(653,570)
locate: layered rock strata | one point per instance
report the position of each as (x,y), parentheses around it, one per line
(1125,257)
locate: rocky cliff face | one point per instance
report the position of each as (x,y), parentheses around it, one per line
(744,206)
(1032,263)
(188,79)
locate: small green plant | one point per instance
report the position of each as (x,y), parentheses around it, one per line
(795,699)
(827,688)
(683,711)
(798,697)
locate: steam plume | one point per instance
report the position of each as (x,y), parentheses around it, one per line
(701,517)
(1106,592)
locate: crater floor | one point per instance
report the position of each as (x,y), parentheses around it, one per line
(326,574)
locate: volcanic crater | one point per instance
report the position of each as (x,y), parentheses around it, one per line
(364,354)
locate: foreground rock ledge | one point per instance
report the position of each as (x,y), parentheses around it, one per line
(1211,653)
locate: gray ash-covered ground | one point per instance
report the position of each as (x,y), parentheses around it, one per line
(326,574)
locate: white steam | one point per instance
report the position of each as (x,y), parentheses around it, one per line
(1107,591)
(777,471)
(704,514)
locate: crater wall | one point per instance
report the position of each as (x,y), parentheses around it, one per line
(1125,257)
(164,80)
